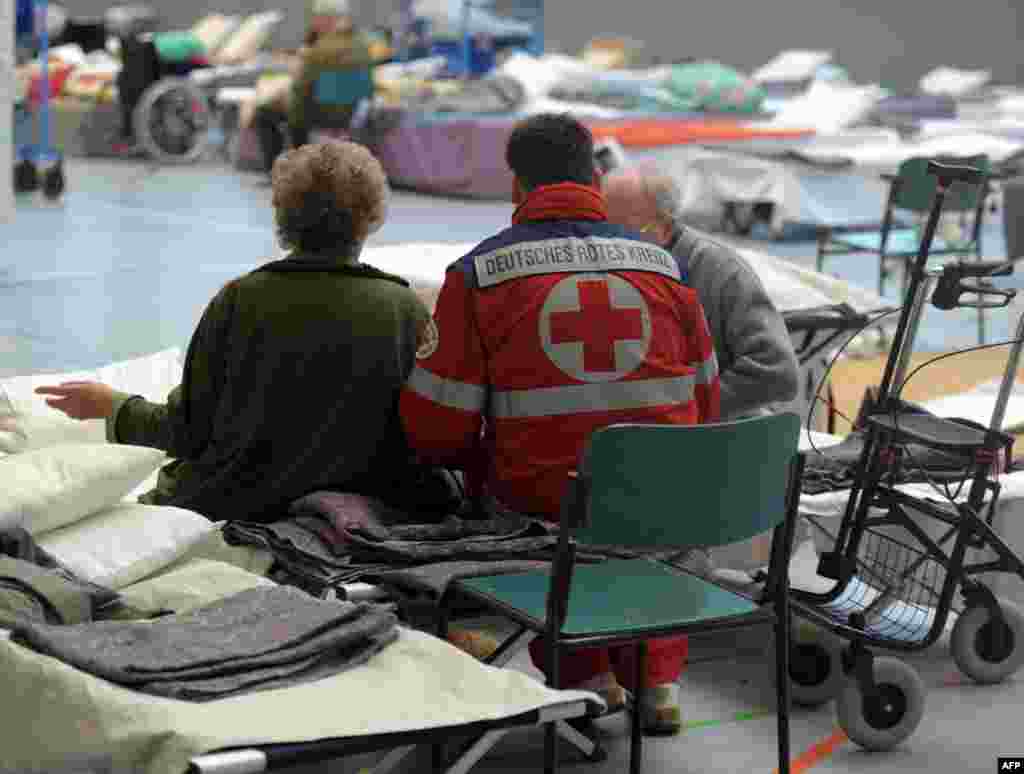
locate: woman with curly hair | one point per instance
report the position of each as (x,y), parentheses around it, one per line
(292,378)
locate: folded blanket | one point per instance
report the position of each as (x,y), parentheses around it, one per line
(335,538)
(257,639)
(35,587)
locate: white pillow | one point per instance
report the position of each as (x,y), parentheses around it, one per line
(26,422)
(125,543)
(247,40)
(48,488)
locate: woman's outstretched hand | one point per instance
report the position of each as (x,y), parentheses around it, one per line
(80,400)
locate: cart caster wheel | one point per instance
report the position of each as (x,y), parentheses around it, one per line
(815,665)
(974,651)
(880,722)
(26,177)
(598,755)
(53,183)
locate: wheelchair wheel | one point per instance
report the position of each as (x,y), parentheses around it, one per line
(26,177)
(880,722)
(172,121)
(975,652)
(53,181)
(815,665)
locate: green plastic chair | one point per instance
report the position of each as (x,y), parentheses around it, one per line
(911,191)
(644,486)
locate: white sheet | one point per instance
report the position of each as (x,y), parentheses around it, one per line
(420,682)
(953,81)
(822,193)
(791,65)
(977,404)
(789,286)
(876,158)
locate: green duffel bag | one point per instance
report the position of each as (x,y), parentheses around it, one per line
(715,88)
(175,47)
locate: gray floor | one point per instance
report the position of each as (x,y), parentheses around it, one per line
(124,265)
(125,262)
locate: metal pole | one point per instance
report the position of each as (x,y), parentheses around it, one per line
(915,280)
(924,292)
(467,51)
(43,148)
(1009,378)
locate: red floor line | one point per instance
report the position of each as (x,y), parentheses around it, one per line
(816,753)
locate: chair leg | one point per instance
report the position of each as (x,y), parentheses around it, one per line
(550,731)
(438,748)
(819,261)
(782,681)
(636,753)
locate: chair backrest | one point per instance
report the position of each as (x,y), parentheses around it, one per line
(1013,216)
(688,485)
(343,88)
(917,188)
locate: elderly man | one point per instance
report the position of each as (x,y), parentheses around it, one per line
(756,362)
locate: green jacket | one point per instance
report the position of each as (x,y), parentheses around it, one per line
(333,51)
(290,385)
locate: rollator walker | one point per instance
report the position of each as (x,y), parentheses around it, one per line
(900,562)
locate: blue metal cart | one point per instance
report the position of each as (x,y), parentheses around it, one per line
(40,159)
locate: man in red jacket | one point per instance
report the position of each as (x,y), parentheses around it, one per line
(557,326)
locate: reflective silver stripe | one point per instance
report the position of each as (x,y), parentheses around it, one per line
(573,254)
(447,392)
(598,396)
(708,370)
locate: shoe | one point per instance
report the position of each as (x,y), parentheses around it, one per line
(660,710)
(607,687)
(479,645)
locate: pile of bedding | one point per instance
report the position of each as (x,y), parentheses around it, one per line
(262,638)
(214,41)
(75,494)
(160,642)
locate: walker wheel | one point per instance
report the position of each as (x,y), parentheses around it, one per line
(26,177)
(53,182)
(598,755)
(975,650)
(883,720)
(815,665)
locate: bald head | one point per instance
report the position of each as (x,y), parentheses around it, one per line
(643,200)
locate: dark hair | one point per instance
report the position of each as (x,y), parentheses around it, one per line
(328,196)
(551,148)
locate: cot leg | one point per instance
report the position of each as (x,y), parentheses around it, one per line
(550,735)
(636,756)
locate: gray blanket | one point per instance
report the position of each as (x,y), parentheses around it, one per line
(35,587)
(260,638)
(435,578)
(334,538)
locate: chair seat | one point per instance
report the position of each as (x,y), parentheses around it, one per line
(616,597)
(902,241)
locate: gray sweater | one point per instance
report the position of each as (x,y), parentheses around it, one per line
(756,361)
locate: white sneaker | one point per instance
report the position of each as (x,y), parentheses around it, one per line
(660,708)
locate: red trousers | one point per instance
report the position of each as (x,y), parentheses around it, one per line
(666,658)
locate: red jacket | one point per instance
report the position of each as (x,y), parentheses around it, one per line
(546,332)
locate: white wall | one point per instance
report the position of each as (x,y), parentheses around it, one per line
(6,108)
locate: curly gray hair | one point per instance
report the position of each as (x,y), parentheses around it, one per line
(328,195)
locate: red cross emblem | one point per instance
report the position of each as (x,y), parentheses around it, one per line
(597,324)
(597,314)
